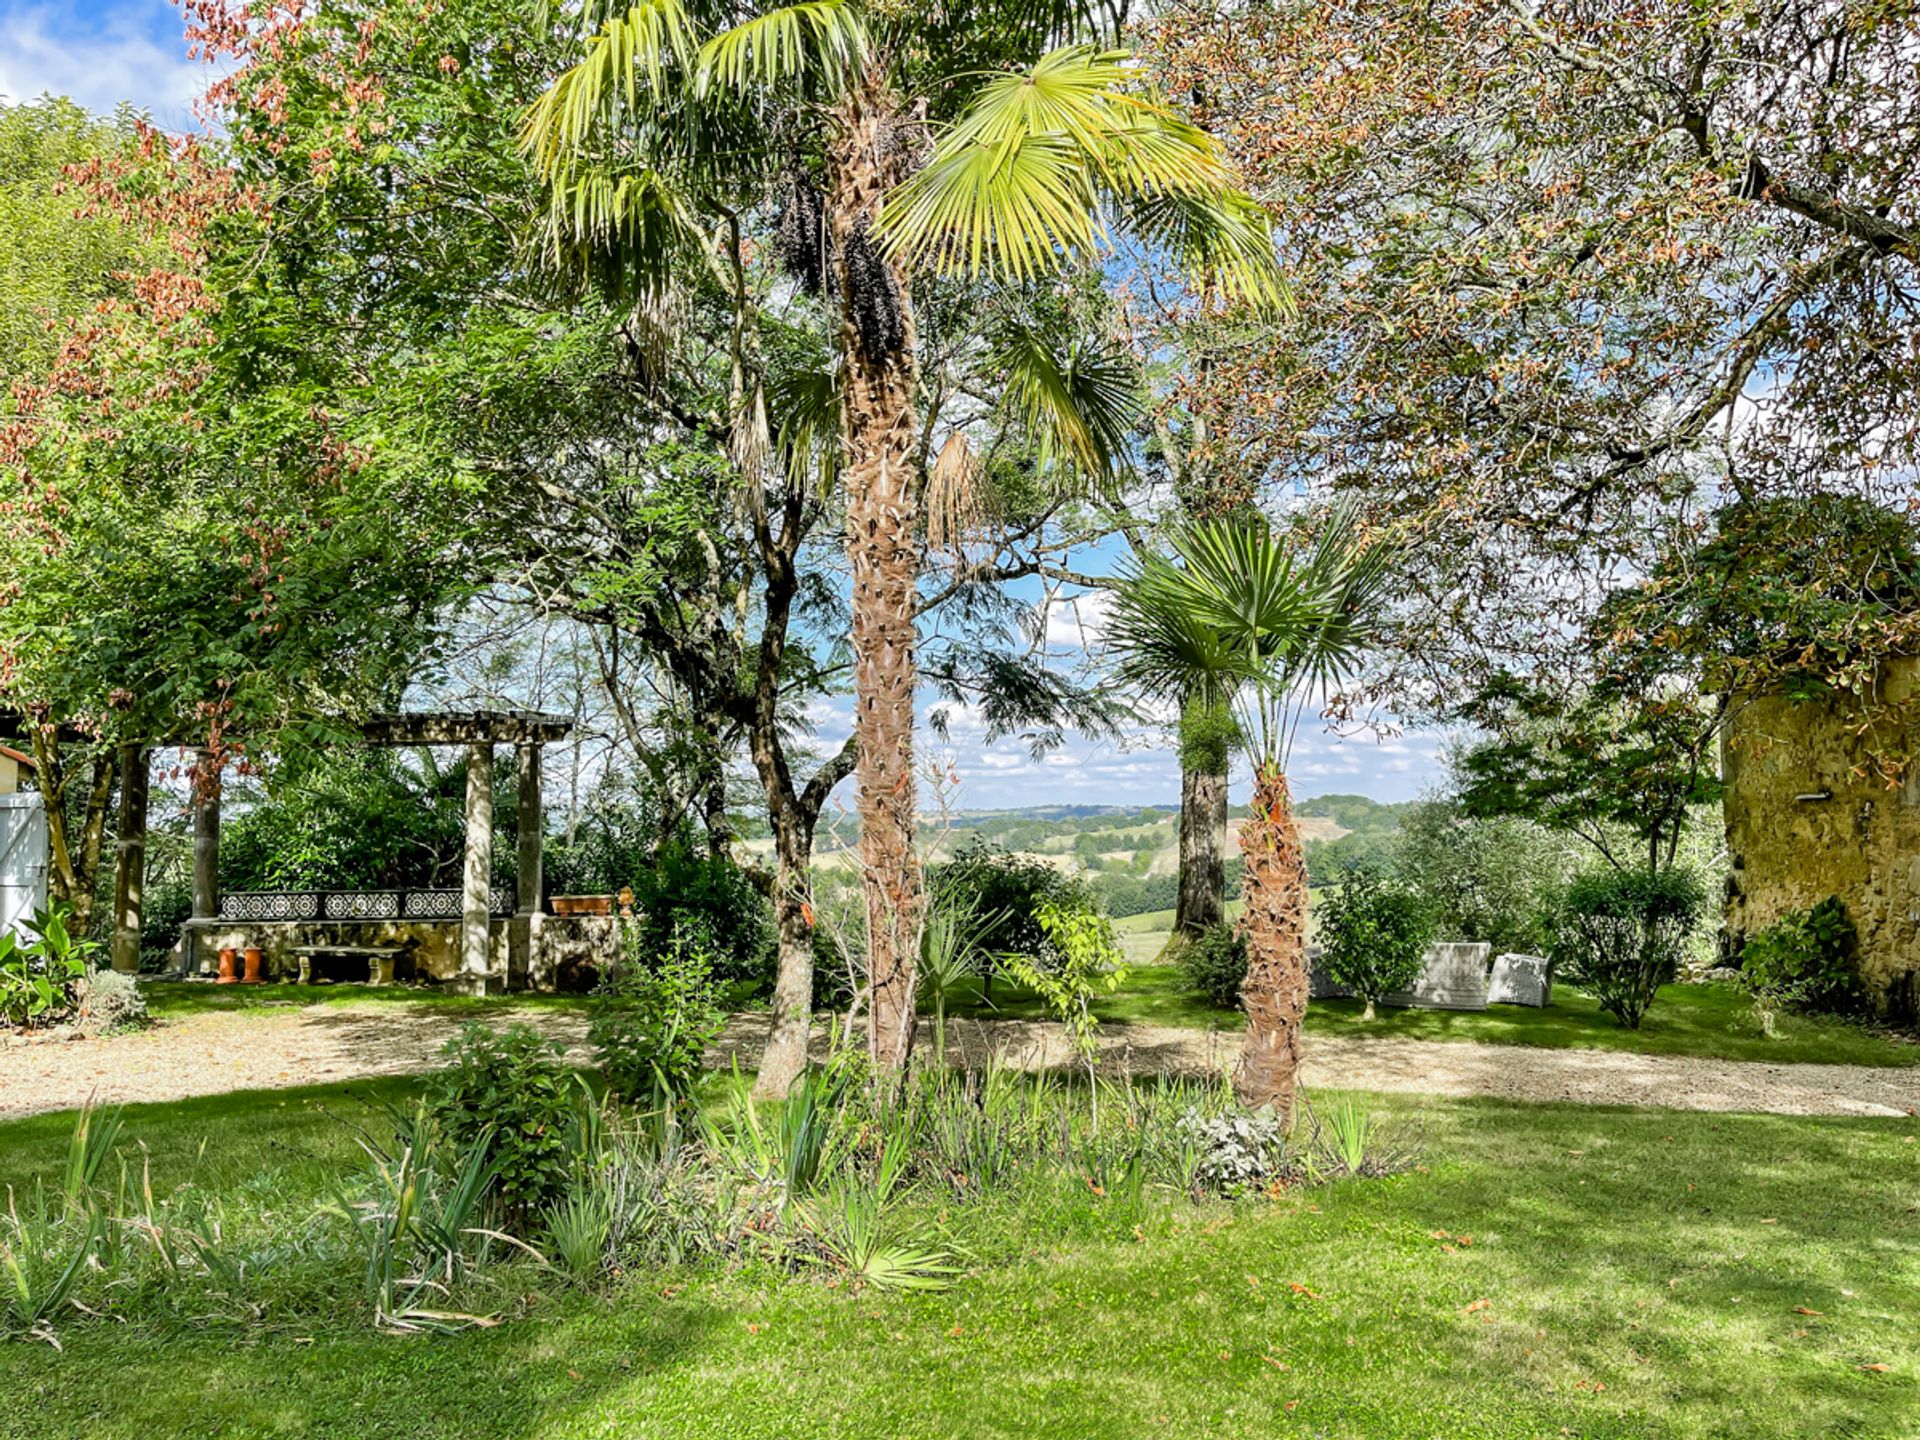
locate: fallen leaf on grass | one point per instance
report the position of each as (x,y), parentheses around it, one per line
(1477,1306)
(1277,1364)
(1879,1367)
(1297,1288)
(1803,1310)
(1769,1222)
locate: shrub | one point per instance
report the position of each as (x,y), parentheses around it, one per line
(1620,935)
(706,902)
(1214,964)
(509,1089)
(652,1023)
(111,1002)
(1006,891)
(1236,1151)
(1485,879)
(1373,936)
(1080,958)
(40,977)
(1805,959)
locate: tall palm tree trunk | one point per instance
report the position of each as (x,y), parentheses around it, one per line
(883,549)
(1275,993)
(1202,899)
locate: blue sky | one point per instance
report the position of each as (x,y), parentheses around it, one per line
(102,52)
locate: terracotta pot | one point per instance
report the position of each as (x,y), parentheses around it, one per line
(583,904)
(256,961)
(228,974)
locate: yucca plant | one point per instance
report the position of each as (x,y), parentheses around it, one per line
(1271,623)
(996,144)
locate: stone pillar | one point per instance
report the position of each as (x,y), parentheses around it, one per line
(532,828)
(523,933)
(130,859)
(476,944)
(206,854)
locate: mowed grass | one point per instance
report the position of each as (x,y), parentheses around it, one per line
(1552,1270)
(1713,1021)
(168,998)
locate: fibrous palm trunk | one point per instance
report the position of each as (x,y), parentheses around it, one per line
(1202,900)
(1275,993)
(883,549)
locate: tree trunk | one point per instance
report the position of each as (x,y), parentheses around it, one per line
(73,870)
(883,551)
(1202,901)
(786,1053)
(1275,993)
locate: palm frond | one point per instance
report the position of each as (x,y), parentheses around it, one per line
(629,229)
(1241,610)
(824,40)
(1081,399)
(651,39)
(1221,238)
(1016,186)
(804,405)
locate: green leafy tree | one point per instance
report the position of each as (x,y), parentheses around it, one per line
(1373,936)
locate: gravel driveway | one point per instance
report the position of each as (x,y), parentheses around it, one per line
(210,1054)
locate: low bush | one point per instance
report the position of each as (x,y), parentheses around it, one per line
(1214,964)
(111,1003)
(40,978)
(1373,936)
(652,1021)
(868,1186)
(1007,892)
(1620,935)
(708,903)
(508,1092)
(1807,959)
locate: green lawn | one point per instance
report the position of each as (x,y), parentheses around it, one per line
(195,997)
(1630,1273)
(1706,1020)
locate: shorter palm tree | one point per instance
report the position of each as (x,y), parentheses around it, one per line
(1269,623)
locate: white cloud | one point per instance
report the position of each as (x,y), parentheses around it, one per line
(1078,622)
(132,51)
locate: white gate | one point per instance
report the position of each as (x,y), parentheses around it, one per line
(23,860)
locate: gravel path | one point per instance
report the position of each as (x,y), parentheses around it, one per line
(210,1054)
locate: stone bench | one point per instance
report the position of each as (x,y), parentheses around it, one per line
(1454,977)
(1521,980)
(379,959)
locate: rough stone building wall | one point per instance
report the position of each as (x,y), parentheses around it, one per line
(1808,817)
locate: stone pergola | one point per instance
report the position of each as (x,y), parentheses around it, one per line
(479,731)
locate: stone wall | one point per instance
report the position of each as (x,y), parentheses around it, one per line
(1808,817)
(564,952)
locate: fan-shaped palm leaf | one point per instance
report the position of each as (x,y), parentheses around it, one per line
(1240,609)
(1015,186)
(823,40)
(650,39)
(1080,399)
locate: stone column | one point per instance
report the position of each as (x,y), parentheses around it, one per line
(532,827)
(523,933)
(476,946)
(130,859)
(206,853)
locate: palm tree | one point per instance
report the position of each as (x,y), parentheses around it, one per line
(994,141)
(1269,624)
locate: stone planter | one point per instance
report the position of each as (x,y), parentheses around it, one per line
(583,904)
